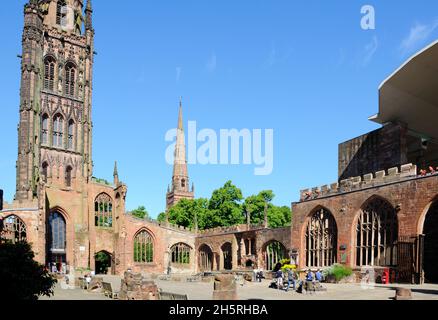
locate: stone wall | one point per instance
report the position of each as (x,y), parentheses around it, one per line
(374,151)
(411,196)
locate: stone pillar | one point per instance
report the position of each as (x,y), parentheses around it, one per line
(224,288)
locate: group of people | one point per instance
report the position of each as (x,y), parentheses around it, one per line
(291,278)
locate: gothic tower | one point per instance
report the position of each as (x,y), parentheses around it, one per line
(180,188)
(55,128)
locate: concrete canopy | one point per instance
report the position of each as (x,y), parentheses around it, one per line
(410,94)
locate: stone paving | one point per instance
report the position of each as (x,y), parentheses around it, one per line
(261,291)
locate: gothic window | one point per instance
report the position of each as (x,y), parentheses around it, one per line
(58,131)
(14,229)
(183,183)
(61,13)
(71,126)
(57,233)
(321,240)
(45,171)
(45,130)
(68,176)
(103,211)
(274,252)
(180,253)
(143,248)
(49,73)
(70,79)
(376,234)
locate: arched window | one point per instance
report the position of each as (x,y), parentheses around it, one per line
(14,229)
(183,183)
(103,211)
(274,252)
(71,128)
(45,130)
(49,73)
(68,177)
(376,234)
(45,173)
(143,248)
(56,240)
(58,131)
(70,79)
(180,253)
(61,12)
(321,240)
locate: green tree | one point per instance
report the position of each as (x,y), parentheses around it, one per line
(277,216)
(225,207)
(21,277)
(184,212)
(140,212)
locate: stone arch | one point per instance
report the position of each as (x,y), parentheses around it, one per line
(320,238)
(144,246)
(227,255)
(103,211)
(103,261)
(57,239)
(430,250)
(205,258)
(273,252)
(13,229)
(375,233)
(180,253)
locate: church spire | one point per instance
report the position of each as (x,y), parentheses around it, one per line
(116,174)
(180,188)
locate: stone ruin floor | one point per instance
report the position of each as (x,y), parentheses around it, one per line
(251,291)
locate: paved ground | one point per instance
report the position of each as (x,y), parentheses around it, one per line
(203,291)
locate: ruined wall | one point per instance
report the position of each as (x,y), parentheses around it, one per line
(410,195)
(378,150)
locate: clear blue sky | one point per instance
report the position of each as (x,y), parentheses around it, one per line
(303,68)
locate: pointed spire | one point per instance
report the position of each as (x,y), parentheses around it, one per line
(180,116)
(116,174)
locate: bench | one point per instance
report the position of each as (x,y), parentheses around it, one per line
(108,291)
(171,296)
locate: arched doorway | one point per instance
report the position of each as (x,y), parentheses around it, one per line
(430,231)
(57,243)
(274,252)
(205,258)
(103,262)
(321,239)
(227,256)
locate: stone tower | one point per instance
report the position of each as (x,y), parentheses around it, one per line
(55,128)
(180,188)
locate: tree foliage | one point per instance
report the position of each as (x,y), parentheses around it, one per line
(227,207)
(21,277)
(140,212)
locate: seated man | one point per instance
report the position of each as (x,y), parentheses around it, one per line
(318,276)
(309,281)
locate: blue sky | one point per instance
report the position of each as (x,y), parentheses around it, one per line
(303,68)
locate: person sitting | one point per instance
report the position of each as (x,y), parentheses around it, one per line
(291,279)
(318,276)
(309,281)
